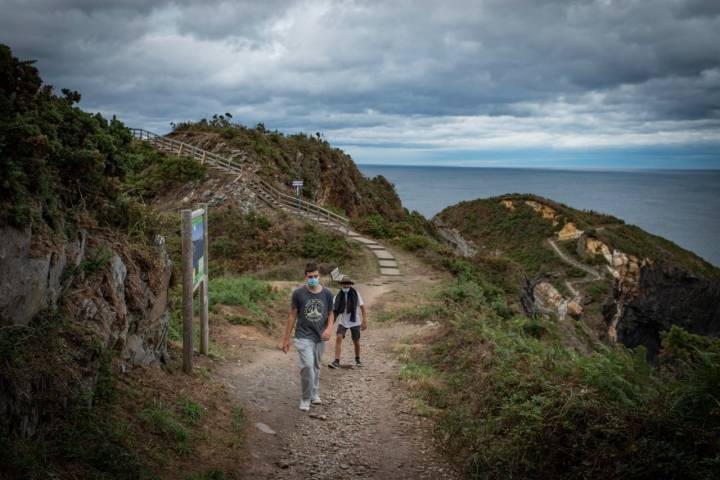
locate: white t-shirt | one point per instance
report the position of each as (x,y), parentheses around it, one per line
(344,318)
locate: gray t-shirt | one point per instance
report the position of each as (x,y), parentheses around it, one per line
(313,309)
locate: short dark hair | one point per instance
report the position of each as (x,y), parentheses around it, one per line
(311,267)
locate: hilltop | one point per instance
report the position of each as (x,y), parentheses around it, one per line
(331,178)
(634,286)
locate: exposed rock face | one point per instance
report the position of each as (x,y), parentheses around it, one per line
(31,281)
(543,210)
(569,232)
(452,236)
(666,297)
(548,295)
(122,307)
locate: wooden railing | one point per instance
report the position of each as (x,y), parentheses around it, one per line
(234,166)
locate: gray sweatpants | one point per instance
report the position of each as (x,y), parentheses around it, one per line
(310,353)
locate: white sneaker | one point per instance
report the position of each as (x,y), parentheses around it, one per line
(316,400)
(304,405)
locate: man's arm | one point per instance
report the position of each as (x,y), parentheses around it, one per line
(328,331)
(363,324)
(288,329)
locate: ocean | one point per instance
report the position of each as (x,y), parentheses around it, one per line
(680,205)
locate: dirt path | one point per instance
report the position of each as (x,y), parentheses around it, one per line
(592,274)
(366,427)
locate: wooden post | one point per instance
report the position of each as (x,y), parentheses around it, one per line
(204,324)
(204,157)
(180,150)
(187,276)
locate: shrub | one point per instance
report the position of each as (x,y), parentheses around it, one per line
(514,402)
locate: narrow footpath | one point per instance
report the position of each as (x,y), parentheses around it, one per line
(366,426)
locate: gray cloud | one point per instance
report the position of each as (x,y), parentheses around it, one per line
(501,72)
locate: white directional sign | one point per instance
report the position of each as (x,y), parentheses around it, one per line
(297,183)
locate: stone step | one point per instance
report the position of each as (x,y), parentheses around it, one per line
(366,241)
(383,254)
(389,271)
(388,263)
(375,247)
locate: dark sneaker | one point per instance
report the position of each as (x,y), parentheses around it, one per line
(359,363)
(335,364)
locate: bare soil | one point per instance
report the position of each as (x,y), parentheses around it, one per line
(367,426)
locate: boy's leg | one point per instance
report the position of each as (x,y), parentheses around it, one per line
(338,346)
(318,350)
(306,352)
(355,334)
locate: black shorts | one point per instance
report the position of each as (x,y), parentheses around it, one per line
(354,332)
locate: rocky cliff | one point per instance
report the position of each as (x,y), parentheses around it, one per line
(106,297)
(75,286)
(627,284)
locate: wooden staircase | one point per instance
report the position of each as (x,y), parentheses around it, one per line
(273,197)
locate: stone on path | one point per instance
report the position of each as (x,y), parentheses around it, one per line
(264,428)
(375,247)
(388,263)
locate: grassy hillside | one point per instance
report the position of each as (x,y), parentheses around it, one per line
(330,176)
(519,234)
(512,400)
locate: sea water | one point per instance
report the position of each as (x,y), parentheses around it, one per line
(680,205)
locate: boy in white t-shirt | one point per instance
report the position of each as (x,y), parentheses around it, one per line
(350,314)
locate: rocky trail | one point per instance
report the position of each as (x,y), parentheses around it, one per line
(592,275)
(366,426)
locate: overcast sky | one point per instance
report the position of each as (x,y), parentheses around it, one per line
(503,83)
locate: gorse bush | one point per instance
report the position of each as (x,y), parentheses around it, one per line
(151,172)
(53,156)
(515,402)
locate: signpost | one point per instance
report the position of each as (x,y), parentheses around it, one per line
(298,184)
(195,276)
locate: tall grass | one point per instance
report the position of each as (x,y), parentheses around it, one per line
(515,402)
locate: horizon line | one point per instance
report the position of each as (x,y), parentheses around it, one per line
(596,169)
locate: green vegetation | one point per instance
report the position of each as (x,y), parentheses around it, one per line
(212,474)
(153,172)
(519,234)
(513,401)
(254,298)
(238,424)
(251,242)
(34,361)
(165,422)
(327,172)
(56,161)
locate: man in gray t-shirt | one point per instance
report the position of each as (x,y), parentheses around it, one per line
(311,306)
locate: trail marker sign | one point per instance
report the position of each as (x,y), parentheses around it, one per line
(298,184)
(195,277)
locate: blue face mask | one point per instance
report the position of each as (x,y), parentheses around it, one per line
(313,282)
(346,290)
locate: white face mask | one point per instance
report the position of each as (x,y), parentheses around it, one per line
(346,289)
